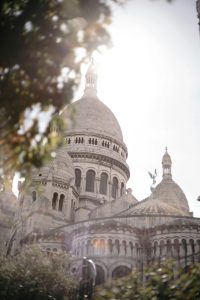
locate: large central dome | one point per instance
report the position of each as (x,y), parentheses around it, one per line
(90,115)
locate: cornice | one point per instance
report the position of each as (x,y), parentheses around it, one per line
(57,183)
(97,157)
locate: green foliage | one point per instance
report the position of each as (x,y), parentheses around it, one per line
(32,274)
(43,43)
(167,282)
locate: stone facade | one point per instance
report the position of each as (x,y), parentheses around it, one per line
(79,202)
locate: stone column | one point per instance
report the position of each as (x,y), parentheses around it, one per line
(157,252)
(134,252)
(90,252)
(182,250)
(83,183)
(115,251)
(122,251)
(128,250)
(109,189)
(106,252)
(97,185)
(85,248)
(164,250)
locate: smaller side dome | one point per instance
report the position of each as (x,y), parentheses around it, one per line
(152,206)
(166,198)
(60,168)
(167,191)
(63,169)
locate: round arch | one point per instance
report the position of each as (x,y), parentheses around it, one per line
(115,266)
(102,271)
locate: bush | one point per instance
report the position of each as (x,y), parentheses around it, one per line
(32,274)
(159,283)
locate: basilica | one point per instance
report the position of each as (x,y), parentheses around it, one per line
(79,202)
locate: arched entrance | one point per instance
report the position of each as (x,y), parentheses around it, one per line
(100,277)
(120,271)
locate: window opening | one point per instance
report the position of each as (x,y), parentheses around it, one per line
(77,178)
(90,178)
(103,184)
(54,200)
(114,187)
(34,196)
(61,201)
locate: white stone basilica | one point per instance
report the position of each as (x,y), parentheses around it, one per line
(79,202)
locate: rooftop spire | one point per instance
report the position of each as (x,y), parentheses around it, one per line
(166,164)
(91,80)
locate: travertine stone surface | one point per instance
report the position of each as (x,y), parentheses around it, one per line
(112,227)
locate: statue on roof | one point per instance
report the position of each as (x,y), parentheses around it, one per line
(153,177)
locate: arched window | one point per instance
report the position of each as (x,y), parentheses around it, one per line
(122,189)
(103,184)
(61,201)
(90,178)
(54,200)
(34,196)
(77,178)
(114,187)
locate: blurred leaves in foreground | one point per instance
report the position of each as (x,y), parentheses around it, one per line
(43,43)
(167,282)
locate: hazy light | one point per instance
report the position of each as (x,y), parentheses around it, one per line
(150,80)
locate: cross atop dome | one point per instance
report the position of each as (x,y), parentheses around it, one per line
(91,80)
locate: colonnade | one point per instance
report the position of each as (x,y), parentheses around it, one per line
(170,248)
(105,247)
(180,249)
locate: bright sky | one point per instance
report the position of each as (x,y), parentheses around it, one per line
(150,79)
